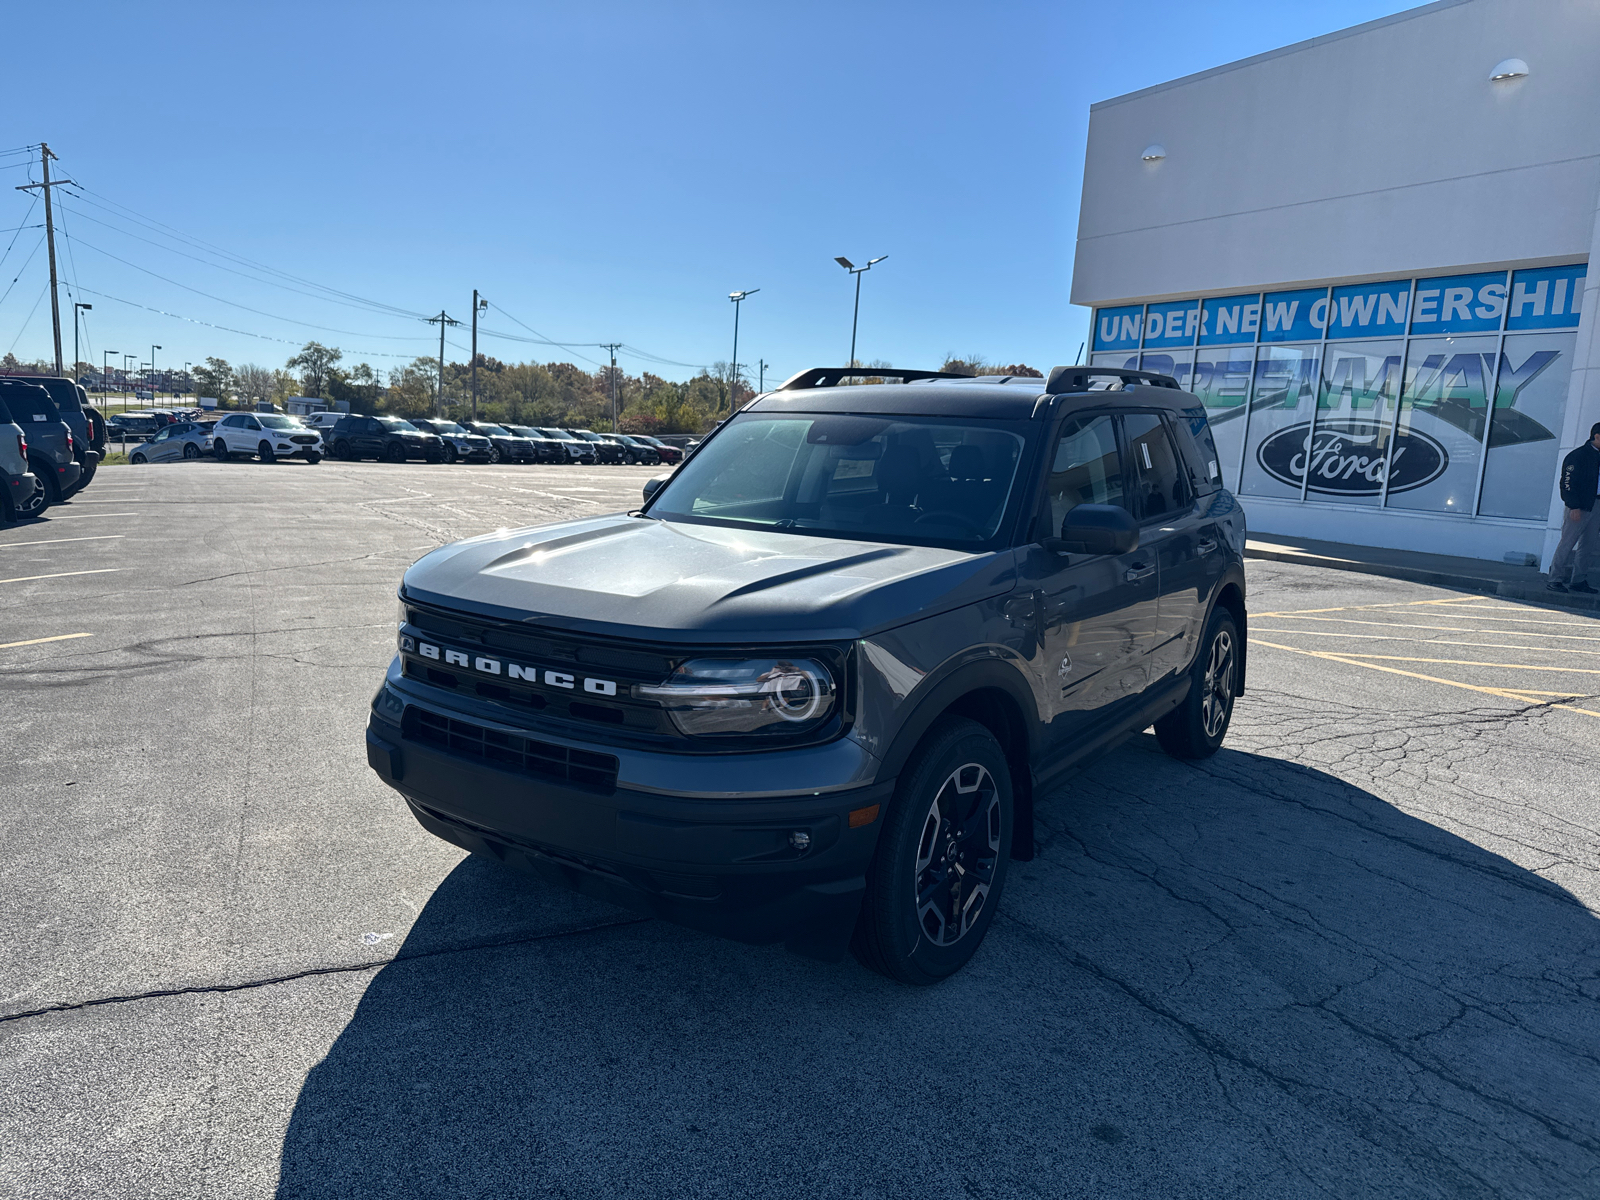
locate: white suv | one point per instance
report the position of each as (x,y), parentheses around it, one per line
(267,436)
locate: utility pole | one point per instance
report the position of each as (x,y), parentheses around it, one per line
(441,320)
(762,364)
(613,347)
(477,307)
(50,238)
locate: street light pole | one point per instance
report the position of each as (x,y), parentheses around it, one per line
(105,374)
(75,308)
(125,360)
(477,307)
(733,383)
(856,315)
(153,393)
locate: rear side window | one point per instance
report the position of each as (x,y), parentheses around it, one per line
(1200,448)
(5,413)
(1160,480)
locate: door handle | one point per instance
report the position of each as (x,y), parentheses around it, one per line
(1207,546)
(1139,571)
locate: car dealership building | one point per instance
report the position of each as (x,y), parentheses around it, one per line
(1368,254)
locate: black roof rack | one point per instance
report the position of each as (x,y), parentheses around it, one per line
(1076,379)
(817,377)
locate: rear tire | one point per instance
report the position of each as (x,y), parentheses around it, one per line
(936,878)
(1195,728)
(34,506)
(190,450)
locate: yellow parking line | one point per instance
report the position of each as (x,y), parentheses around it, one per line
(64,574)
(1462,662)
(1505,693)
(61,637)
(1532,621)
(1361,607)
(1565,637)
(98,537)
(1389,637)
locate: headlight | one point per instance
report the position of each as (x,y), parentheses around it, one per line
(712,696)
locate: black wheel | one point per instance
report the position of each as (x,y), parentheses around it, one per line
(190,450)
(220,449)
(395,452)
(34,505)
(941,860)
(494,454)
(313,458)
(450,453)
(48,483)
(265,454)
(342,451)
(1195,728)
(629,458)
(137,459)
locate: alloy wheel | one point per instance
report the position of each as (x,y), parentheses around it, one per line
(957,854)
(1216,699)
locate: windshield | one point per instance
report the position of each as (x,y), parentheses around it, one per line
(446,427)
(522,431)
(278,422)
(397,423)
(884,479)
(560,433)
(493,431)
(587,435)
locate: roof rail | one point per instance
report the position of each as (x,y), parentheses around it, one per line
(815,377)
(1076,379)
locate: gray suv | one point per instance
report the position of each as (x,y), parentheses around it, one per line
(808,692)
(50,444)
(88,429)
(18,486)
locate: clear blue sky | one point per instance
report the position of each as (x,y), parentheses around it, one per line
(602,172)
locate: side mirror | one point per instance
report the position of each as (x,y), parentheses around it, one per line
(652,486)
(1096,529)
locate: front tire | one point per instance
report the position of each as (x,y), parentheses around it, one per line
(941,861)
(138,460)
(395,453)
(265,454)
(1195,728)
(494,454)
(450,453)
(220,449)
(313,458)
(342,451)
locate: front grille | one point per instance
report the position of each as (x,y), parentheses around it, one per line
(511,751)
(301,439)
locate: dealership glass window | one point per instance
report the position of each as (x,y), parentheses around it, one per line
(1222,381)
(1444,409)
(1116,358)
(1230,320)
(1525,429)
(1177,363)
(1281,407)
(1355,417)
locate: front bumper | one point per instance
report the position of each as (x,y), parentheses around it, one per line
(729,866)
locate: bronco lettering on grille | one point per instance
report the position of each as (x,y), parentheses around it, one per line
(485,665)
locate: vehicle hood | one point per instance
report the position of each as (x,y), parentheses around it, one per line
(641,578)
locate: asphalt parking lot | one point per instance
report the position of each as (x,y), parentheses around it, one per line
(1355,954)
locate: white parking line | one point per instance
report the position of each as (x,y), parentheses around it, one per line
(99,571)
(99,537)
(62,637)
(91,516)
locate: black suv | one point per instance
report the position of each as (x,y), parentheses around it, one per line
(808,693)
(88,430)
(605,450)
(354,436)
(52,448)
(504,446)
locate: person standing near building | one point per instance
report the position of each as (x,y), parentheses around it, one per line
(1580,531)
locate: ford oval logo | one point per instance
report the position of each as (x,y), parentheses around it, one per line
(1346,458)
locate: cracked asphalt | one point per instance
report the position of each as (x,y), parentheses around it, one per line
(1355,954)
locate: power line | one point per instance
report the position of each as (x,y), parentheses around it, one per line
(22,268)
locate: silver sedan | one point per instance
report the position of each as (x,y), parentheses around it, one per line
(186,439)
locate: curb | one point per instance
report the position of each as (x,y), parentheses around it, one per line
(1509,589)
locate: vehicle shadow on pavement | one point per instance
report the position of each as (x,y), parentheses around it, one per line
(1246,977)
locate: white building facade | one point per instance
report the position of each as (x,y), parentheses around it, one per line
(1368,254)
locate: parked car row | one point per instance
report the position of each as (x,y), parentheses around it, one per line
(51,443)
(350,437)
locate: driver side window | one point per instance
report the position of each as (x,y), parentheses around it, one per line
(1087,468)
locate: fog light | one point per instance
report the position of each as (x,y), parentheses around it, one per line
(800,839)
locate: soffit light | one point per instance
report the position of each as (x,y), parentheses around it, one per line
(1511,68)
(1154,152)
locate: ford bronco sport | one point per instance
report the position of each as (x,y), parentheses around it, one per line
(809,691)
